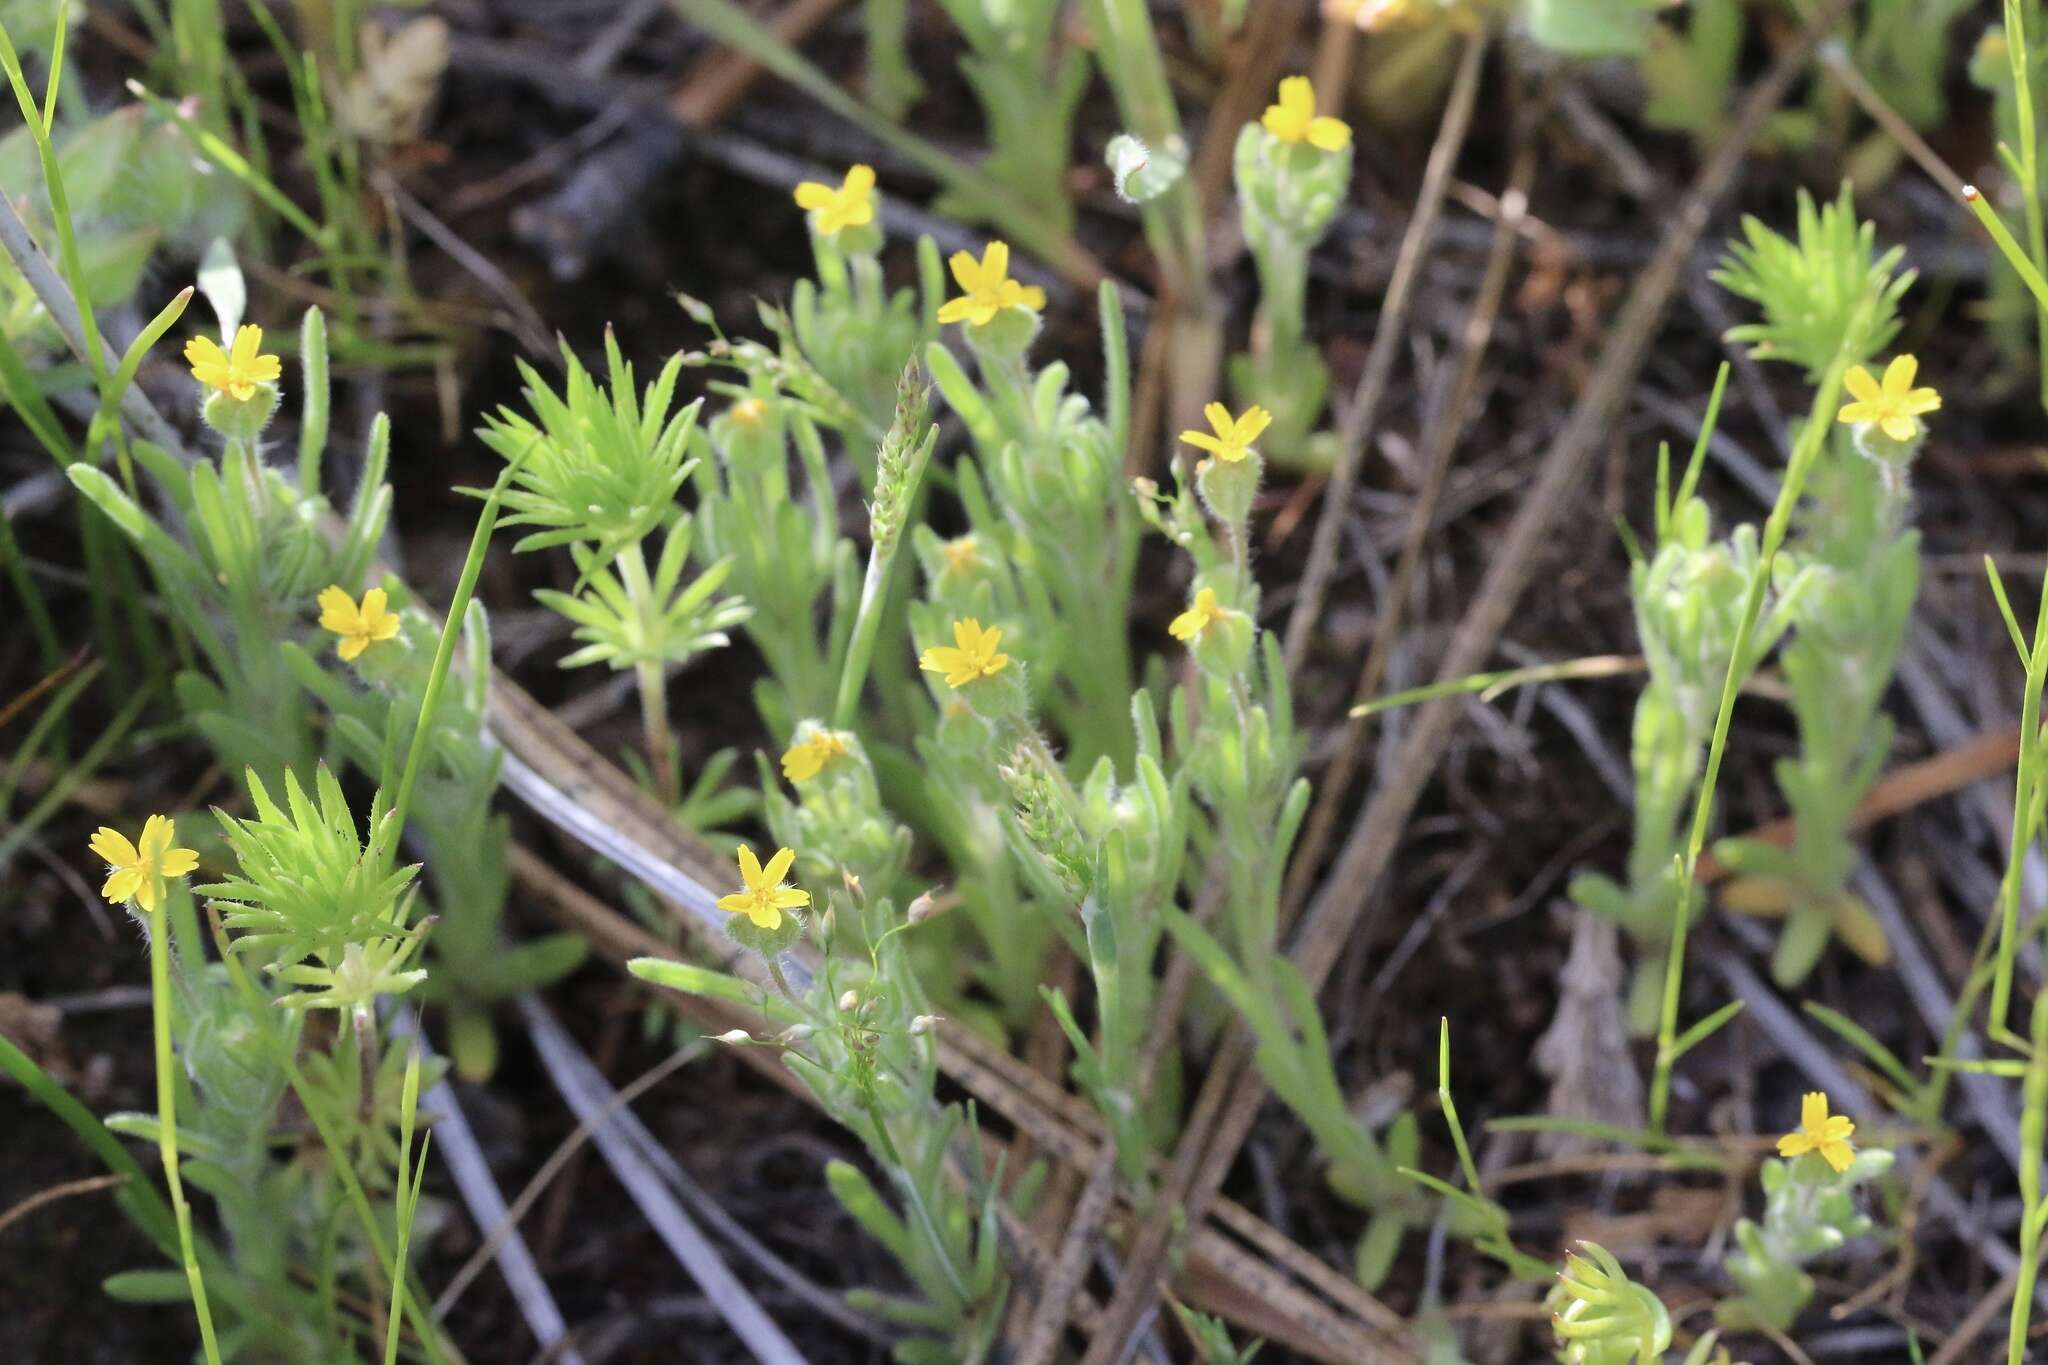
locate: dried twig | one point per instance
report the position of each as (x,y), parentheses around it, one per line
(590,1096)
(455,1142)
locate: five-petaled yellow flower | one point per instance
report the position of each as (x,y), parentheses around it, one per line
(358,627)
(806,759)
(137,872)
(1205,612)
(972,654)
(1821,1132)
(1294,118)
(767,895)
(236,371)
(1894,406)
(1234,435)
(851,205)
(988,288)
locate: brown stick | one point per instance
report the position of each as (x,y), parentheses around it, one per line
(721,79)
(1443,442)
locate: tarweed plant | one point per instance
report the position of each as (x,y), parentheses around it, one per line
(1830,301)
(1293,171)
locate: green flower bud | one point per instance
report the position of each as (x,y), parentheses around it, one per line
(1228,487)
(241,419)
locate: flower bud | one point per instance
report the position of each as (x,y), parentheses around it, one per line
(240,419)
(737,1035)
(1228,487)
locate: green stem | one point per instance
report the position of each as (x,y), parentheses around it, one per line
(1812,440)
(651,674)
(167,1122)
(437,677)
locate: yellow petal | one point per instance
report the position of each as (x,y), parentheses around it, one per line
(778,866)
(113,846)
(1868,411)
(264,369)
(750,868)
(1187,625)
(764,915)
(789,898)
(966,272)
(1838,1155)
(955,310)
(205,351)
(1921,400)
(1813,1109)
(1899,375)
(941,659)
(351,646)
(149,893)
(1859,382)
(1201,440)
(1329,134)
(994,665)
(738,903)
(1253,424)
(860,179)
(813,196)
(178,861)
(1032,297)
(1900,427)
(374,613)
(157,831)
(248,341)
(1298,96)
(1794,1144)
(122,884)
(995,264)
(337,610)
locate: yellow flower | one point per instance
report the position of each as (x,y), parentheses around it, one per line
(748,412)
(1294,118)
(988,287)
(805,760)
(1893,407)
(962,553)
(137,873)
(358,627)
(1205,612)
(766,896)
(1234,435)
(1820,1132)
(235,372)
(971,655)
(851,205)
